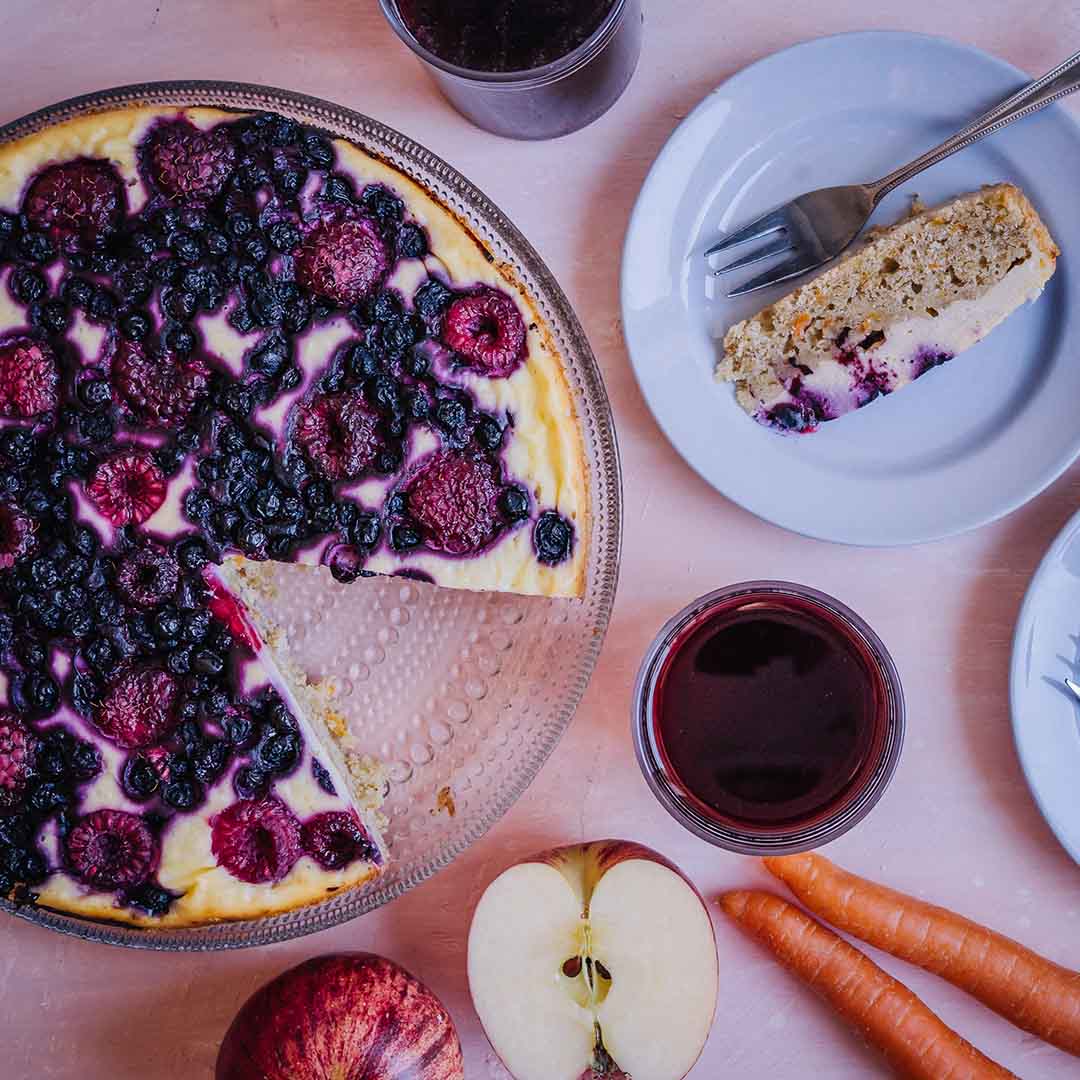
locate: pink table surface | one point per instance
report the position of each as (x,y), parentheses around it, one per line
(957,824)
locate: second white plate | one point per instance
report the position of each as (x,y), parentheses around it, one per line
(968,443)
(1045,716)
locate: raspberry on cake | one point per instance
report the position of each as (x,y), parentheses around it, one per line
(16,535)
(453,499)
(297,354)
(909,300)
(256,840)
(342,261)
(487,331)
(77,201)
(18,758)
(111,849)
(158,391)
(338,433)
(127,489)
(187,164)
(28,378)
(139,708)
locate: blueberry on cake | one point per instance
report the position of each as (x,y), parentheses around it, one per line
(909,300)
(226,339)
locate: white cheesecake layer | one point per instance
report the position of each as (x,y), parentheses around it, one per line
(847,380)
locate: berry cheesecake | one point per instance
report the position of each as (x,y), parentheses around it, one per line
(227,339)
(908,301)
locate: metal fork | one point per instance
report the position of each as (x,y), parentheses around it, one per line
(817,226)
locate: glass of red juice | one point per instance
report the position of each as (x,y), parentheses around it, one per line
(768,717)
(526,69)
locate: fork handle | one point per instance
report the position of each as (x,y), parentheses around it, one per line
(1056,84)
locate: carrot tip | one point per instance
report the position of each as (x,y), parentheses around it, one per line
(782,866)
(734,903)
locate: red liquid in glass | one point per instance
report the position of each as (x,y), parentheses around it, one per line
(769,711)
(502,35)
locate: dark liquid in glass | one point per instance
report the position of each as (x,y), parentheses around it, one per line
(768,711)
(502,35)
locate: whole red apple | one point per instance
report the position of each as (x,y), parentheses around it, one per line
(352,1016)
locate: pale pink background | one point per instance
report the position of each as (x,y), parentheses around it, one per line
(957,824)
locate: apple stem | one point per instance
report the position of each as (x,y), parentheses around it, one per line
(603,1064)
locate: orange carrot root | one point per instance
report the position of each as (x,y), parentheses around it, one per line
(914,1040)
(1027,989)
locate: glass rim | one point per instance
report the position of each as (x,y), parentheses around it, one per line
(779,841)
(524,78)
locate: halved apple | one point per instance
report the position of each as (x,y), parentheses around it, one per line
(595,960)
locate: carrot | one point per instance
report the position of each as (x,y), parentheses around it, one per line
(914,1040)
(1027,989)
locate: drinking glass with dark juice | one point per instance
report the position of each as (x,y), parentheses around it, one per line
(527,69)
(768,717)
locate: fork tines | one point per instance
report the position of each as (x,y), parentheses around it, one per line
(773,221)
(775,227)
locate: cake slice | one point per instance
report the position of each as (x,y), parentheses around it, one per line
(911,298)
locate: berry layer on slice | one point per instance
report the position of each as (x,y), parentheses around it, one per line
(227,339)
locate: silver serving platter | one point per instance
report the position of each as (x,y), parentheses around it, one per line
(462,695)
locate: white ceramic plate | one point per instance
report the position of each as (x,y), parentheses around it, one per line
(969,442)
(1045,716)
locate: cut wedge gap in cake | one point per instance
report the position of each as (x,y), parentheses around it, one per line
(910,299)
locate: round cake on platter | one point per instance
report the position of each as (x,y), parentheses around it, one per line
(229,340)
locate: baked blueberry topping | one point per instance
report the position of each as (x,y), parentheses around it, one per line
(150,898)
(514,503)
(322,776)
(27,285)
(345,561)
(412,242)
(431,301)
(140,779)
(247,220)
(928,357)
(553,538)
